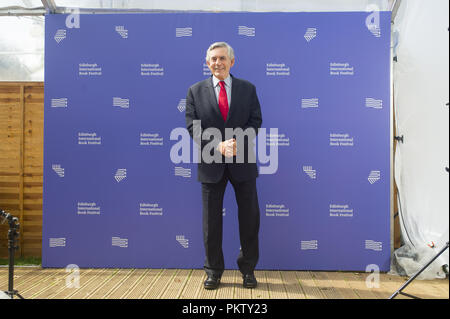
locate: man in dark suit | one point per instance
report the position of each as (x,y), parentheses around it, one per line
(223,116)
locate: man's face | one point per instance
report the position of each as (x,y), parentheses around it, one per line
(220,63)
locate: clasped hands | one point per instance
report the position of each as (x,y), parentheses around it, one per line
(227,148)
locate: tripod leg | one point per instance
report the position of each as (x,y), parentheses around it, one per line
(11,261)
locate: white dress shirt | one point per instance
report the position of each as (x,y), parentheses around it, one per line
(227,88)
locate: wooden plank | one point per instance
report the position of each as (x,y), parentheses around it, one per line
(86,279)
(59,285)
(442,286)
(387,285)
(275,285)
(128,284)
(308,285)
(16,83)
(228,284)
(176,286)
(194,284)
(262,290)
(109,286)
(144,284)
(45,282)
(358,283)
(5,195)
(339,283)
(292,285)
(96,283)
(160,284)
(33,162)
(18,273)
(325,285)
(29,283)
(7,89)
(423,289)
(25,278)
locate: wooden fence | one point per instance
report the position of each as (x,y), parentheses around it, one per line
(21,164)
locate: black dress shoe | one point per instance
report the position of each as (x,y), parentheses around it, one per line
(211,282)
(250,281)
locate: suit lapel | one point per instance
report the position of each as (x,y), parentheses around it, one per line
(234,97)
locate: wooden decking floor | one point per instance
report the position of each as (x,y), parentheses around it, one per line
(39,283)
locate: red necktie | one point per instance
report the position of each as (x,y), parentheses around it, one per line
(223,100)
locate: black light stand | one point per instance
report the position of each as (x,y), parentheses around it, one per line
(13,234)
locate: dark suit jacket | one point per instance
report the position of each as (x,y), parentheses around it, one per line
(244,112)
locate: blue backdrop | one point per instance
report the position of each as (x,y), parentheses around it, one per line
(115,89)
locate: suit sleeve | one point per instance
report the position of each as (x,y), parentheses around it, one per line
(191,115)
(195,128)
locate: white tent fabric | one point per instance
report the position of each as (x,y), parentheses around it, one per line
(421,82)
(22,41)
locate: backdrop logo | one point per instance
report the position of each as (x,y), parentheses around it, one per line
(206,70)
(246,31)
(277,210)
(278,69)
(183,32)
(373,245)
(150,139)
(310,103)
(374,177)
(310,171)
(88,208)
(89,69)
(181,105)
(152,69)
(373,20)
(310,34)
(150,209)
(60,35)
(183,172)
(119,242)
(341,69)
(85,138)
(58,170)
(122,103)
(309,245)
(120,29)
(184,242)
(373,103)
(338,210)
(121,174)
(339,139)
(62,102)
(57,242)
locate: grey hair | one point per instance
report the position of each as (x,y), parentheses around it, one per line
(216,45)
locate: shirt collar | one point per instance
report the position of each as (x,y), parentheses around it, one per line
(227,81)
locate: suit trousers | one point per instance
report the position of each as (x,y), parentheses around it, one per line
(249,221)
